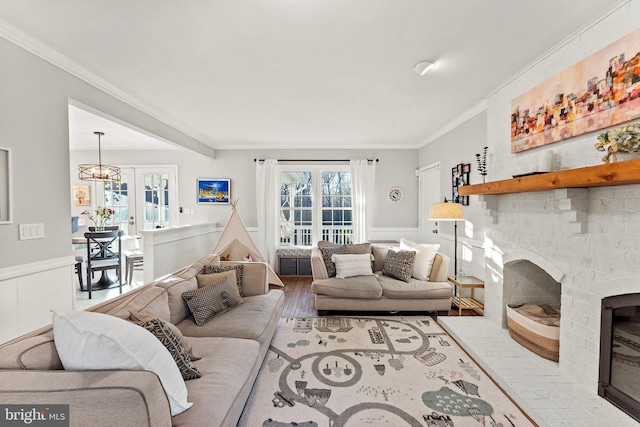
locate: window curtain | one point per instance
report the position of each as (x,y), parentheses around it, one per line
(363,178)
(266,195)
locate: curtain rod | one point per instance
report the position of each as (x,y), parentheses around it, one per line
(314,160)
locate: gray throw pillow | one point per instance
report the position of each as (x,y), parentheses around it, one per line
(161,330)
(239,268)
(210,301)
(399,265)
(326,256)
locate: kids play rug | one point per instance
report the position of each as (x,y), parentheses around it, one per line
(373,371)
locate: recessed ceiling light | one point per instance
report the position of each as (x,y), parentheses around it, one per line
(424,66)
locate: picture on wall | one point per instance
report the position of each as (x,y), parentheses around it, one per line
(214,191)
(81,195)
(5,186)
(600,91)
(459,178)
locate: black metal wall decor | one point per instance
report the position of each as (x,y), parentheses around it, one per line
(459,178)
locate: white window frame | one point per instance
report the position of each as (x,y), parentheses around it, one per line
(316,185)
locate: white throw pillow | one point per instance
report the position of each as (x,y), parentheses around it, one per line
(425,254)
(96,341)
(352,265)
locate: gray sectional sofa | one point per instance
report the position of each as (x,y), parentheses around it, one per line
(379,292)
(231,348)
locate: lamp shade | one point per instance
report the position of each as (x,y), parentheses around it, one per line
(446,212)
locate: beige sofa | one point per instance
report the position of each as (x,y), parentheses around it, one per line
(380,292)
(232,347)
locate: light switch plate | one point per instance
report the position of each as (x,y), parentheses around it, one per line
(31,231)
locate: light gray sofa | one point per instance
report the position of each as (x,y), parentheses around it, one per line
(380,292)
(232,347)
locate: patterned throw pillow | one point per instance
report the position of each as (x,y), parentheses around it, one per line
(399,265)
(139,317)
(168,338)
(210,301)
(326,256)
(217,269)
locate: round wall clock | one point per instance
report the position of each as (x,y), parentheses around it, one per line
(395,194)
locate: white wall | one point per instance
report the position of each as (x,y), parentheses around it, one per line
(37,275)
(460,145)
(395,168)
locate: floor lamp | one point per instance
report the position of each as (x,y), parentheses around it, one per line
(449,211)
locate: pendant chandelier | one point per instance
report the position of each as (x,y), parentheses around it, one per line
(99,172)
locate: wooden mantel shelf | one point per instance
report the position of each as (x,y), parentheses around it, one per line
(619,173)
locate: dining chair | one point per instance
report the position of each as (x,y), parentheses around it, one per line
(103,253)
(133,256)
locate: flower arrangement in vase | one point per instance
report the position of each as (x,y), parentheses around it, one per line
(99,217)
(624,139)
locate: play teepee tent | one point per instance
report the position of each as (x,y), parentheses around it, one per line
(235,244)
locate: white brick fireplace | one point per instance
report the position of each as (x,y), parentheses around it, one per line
(586,240)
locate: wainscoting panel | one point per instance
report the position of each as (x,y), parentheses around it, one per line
(29,292)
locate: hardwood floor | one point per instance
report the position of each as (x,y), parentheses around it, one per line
(299,300)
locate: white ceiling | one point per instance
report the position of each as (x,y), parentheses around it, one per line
(303,73)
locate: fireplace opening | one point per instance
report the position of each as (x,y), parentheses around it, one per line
(619,377)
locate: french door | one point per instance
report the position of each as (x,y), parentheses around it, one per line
(145,198)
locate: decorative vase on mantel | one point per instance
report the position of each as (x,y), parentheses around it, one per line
(624,139)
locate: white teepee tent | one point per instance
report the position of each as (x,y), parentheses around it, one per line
(235,244)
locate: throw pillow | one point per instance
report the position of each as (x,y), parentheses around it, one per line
(213,278)
(399,264)
(210,301)
(425,254)
(219,269)
(137,316)
(96,341)
(160,329)
(326,256)
(352,265)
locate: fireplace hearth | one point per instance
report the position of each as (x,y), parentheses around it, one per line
(619,378)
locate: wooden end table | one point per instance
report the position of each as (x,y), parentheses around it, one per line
(470,302)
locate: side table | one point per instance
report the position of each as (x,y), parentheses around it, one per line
(470,302)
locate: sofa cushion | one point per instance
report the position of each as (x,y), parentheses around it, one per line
(358,248)
(251,320)
(212,300)
(399,264)
(96,341)
(363,287)
(237,268)
(413,289)
(172,342)
(326,256)
(153,301)
(351,265)
(435,268)
(379,255)
(229,367)
(425,254)
(38,352)
(175,287)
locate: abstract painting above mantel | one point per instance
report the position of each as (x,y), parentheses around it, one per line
(600,91)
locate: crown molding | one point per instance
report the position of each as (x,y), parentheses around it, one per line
(47,53)
(470,113)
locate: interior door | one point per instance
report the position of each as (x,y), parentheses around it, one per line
(429,185)
(144,199)
(121,197)
(157,195)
